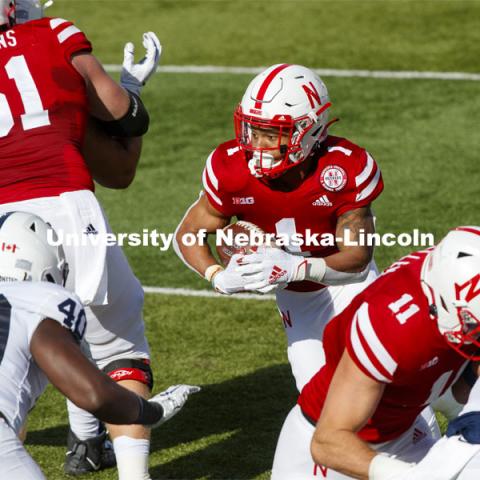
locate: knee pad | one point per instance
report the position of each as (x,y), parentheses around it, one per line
(138,370)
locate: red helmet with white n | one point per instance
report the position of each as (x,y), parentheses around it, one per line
(451,281)
(7,13)
(29,250)
(290,100)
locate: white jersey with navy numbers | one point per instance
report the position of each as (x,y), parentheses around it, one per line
(23,306)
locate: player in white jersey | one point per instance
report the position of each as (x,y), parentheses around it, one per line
(41,325)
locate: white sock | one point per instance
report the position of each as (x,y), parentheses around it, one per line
(83,424)
(132,458)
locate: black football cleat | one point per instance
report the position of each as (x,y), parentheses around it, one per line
(90,455)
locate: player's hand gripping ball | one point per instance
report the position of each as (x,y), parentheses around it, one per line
(240,237)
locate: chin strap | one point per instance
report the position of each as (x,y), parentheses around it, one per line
(261,161)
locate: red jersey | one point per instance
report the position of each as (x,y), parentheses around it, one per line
(43,111)
(390,335)
(345,177)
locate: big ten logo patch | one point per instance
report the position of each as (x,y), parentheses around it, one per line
(286,319)
(243,200)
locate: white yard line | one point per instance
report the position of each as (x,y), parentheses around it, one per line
(326,72)
(186,292)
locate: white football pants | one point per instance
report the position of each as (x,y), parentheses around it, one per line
(15,462)
(102,279)
(293,460)
(305,316)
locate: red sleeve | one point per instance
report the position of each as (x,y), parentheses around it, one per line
(364,186)
(70,39)
(213,179)
(370,342)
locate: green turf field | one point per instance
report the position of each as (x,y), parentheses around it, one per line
(423,134)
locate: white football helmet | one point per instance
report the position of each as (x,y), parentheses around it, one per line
(451,280)
(25,251)
(291,100)
(31,9)
(7,13)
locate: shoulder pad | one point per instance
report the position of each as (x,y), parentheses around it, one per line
(344,151)
(70,38)
(227,165)
(50,301)
(370,344)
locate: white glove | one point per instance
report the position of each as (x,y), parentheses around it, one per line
(385,467)
(271,266)
(135,75)
(26,10)
(444,461)
(270,288)
(172,400)
(229,281)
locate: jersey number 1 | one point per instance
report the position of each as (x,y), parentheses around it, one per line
(35,116)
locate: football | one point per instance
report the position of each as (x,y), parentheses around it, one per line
(240,237)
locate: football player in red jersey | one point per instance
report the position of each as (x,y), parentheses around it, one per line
(397,347)
(284,173)
(51,86)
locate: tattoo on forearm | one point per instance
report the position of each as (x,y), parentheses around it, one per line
(359,221)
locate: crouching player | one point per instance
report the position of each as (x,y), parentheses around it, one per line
(41,325)
(394,350)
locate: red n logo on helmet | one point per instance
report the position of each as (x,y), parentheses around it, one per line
(312,94)
(472,292)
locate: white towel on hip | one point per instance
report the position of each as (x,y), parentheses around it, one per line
(91,226)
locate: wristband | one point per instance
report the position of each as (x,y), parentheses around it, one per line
(211,271)
(317,270)
(314,269)
(383,467)
(134,123)
(149,412)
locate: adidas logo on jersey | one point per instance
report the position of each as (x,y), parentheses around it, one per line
(90,230)
(418,435)
(322,201)
(276,274)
